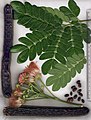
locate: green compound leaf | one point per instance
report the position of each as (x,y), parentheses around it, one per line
(25,41)
(40,20)
(48,65)
(17,15)
(62,74)
(73,7)
(32,53)
(56,36)
(18,7)
(49,38)
(86,33)
(23,56)
(67,12)
(72,12)
(58,13)
(18,48)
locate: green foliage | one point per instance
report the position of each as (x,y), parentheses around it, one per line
(57,34)
(18,48)
(62,74)
(18,7)
(23,56)
(73,7)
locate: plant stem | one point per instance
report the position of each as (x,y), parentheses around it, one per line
(85,20)
(79,21)
(47,88)
(56,98)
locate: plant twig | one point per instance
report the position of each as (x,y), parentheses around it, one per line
(56,98)
(85,20)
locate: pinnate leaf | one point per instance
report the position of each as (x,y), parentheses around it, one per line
(25,41)
(64,73)
(32,53)
(73,7)
(68,13)
(47,66)
(23,56)
(18,48)
(18,6)
(60,44)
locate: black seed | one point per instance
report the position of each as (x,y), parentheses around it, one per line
(75,96)
(66,95)
(79,98)
(78,81)
(71,93)
(80,94)
(79,90)
(74,89)
(70,99)
(83,101)
(79,85)
(73,86)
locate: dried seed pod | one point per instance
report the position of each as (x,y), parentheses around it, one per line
(75,96)
(28,110)
(66,95)
(6,58)
(71,93)
(70,99)
(79,98)
(83,101)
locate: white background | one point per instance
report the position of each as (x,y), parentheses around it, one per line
(16,68)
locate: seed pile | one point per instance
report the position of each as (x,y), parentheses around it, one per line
(75,93)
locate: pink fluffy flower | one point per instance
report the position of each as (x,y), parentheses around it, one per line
(15,101)
(18,92)
(30,74)
(23,77)
(32,69)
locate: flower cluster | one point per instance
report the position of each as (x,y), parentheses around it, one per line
(30,87)
(30,74)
